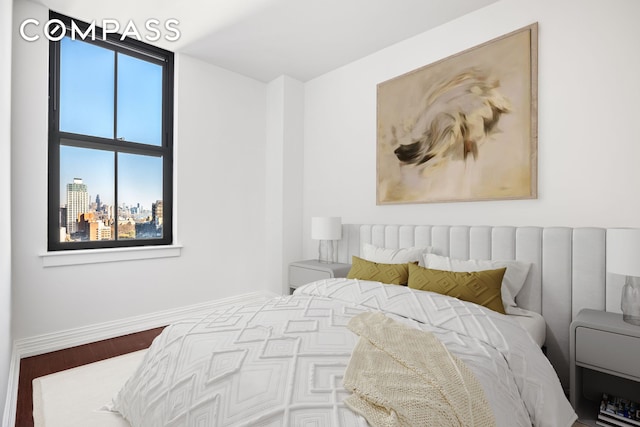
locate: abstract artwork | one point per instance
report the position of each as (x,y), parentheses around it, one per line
(463,128)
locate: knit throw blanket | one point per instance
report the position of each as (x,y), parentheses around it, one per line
(400,376)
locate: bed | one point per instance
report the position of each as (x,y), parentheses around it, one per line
(289,360)
(283,362)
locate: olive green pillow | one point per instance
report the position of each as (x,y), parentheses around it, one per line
(395,274)
(480,287)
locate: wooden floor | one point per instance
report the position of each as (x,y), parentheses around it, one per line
(49,363)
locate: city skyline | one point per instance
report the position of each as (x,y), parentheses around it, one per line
(140,177)
(98,197)
(84,218)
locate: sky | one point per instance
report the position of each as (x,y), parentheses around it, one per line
(87,107)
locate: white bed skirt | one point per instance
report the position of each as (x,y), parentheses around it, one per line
(76,397)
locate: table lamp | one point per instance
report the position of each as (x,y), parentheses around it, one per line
(623,257)
(327,230)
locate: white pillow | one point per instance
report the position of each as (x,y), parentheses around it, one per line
(512,282)
(394,256)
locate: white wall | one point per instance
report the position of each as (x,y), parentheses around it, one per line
(5,196)
(588,146)
(283,191)
(219,194)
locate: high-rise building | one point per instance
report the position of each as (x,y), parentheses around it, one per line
(99,231)
(77,203)
(156,212)
(93,228)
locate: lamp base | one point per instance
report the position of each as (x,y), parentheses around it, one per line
(327,253)
(634,320)
(630,303)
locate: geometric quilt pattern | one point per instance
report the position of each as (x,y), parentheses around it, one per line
(282,362)
(276,364)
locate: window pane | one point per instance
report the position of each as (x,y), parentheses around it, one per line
(86,88)
(140,203)
(86,194)
(139,100)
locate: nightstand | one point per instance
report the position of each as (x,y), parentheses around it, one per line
(303,272)
(604,358)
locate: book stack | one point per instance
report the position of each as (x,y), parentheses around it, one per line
(618,412)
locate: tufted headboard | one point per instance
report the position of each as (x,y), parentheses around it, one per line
(567,274)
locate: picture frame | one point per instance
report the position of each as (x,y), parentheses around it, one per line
(463,128)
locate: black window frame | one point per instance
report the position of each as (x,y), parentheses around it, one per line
(140,50)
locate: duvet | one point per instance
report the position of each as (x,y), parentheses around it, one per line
(282,362)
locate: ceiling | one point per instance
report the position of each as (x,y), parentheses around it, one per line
(264,39)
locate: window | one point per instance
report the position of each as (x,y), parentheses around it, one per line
(110,141)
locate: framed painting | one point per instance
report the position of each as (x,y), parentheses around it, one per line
(463,128)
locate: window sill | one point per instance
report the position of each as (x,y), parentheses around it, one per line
(95,256)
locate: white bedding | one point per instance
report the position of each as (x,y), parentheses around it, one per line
(531,322)
(281,363)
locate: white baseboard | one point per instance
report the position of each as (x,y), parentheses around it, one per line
(45,343)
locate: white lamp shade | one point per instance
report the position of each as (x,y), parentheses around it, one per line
(623,251)
(326,228)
